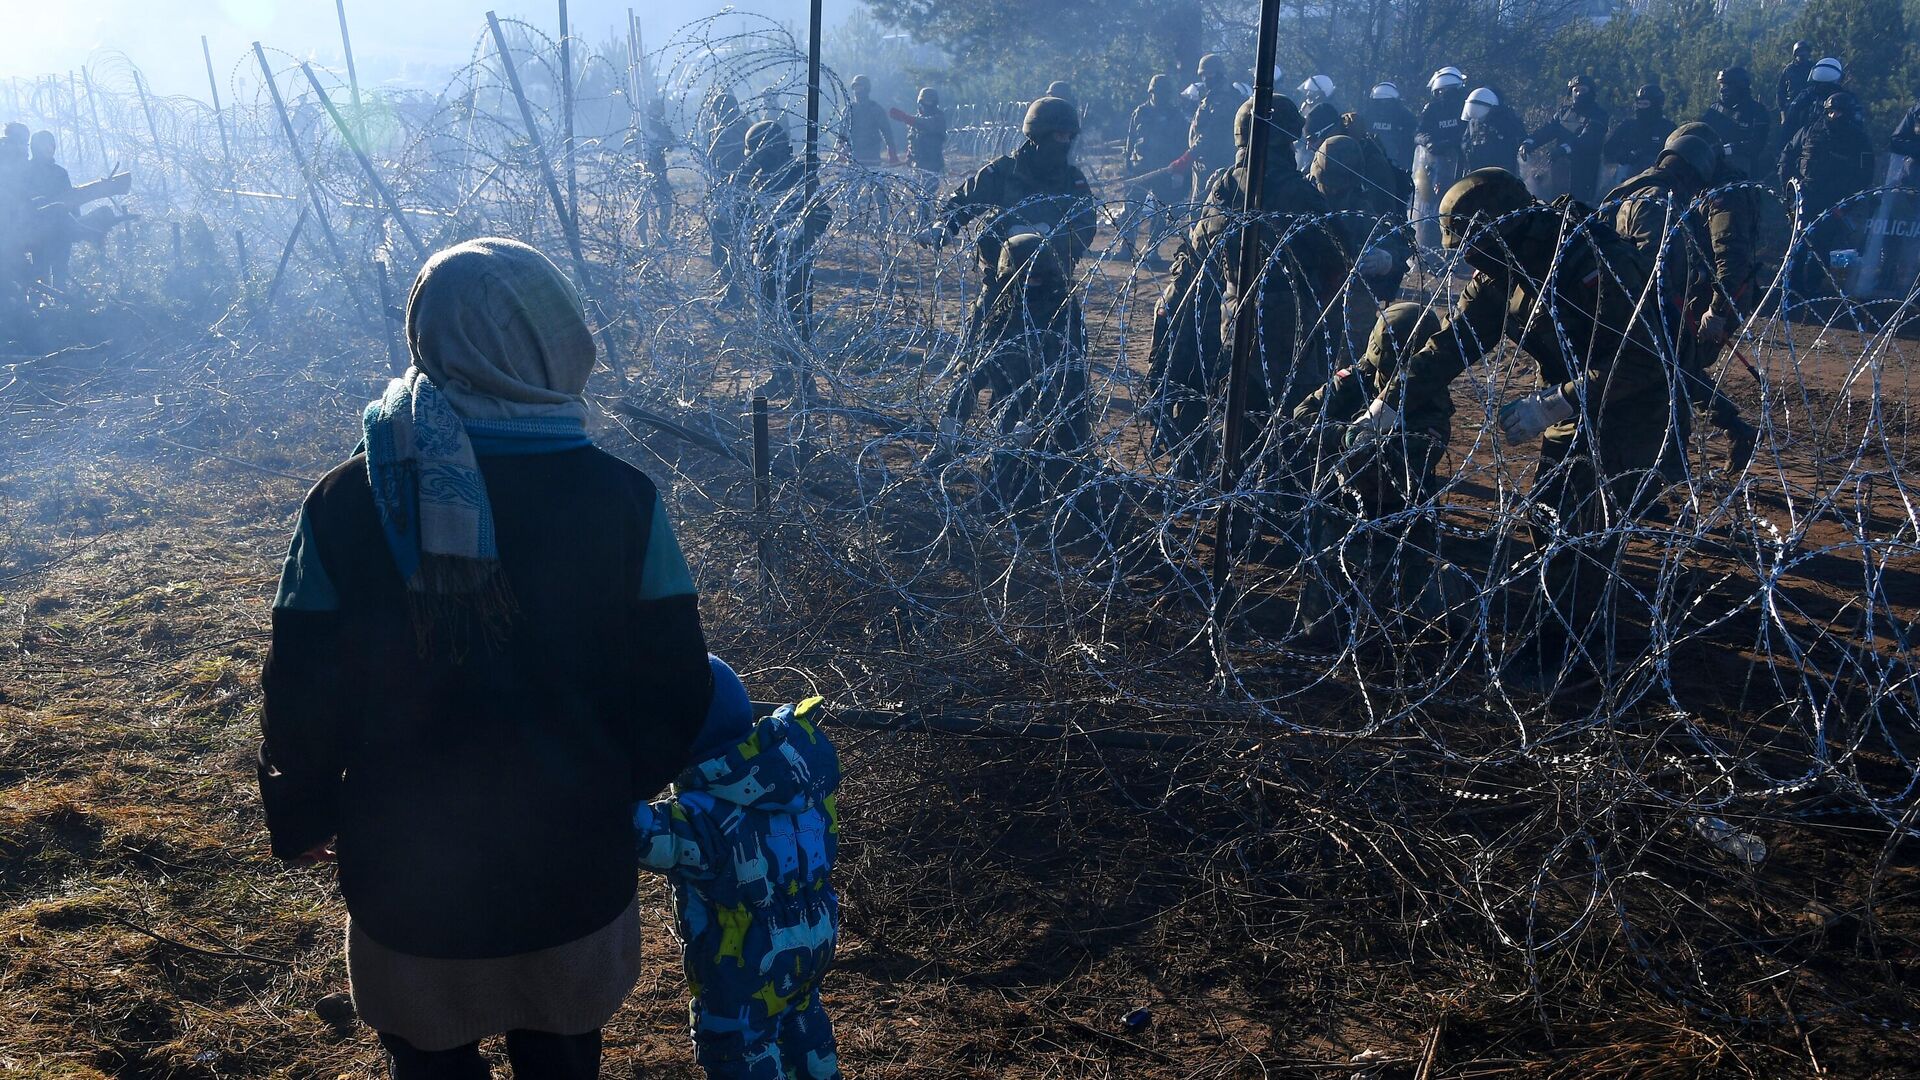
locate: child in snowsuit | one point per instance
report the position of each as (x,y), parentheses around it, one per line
(747,839)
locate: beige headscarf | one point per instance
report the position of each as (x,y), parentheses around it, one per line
(499,329)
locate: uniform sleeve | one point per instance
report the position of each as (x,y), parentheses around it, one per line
(1618,146)
(1906,137)
(1469,331)
(1085,216)
(1732,246)
(969,200)
(1789,166)
(1425,127)
(671,682)
(1642,221)
(312,671)
(668,838)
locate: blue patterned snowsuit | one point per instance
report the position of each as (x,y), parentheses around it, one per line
(748,841)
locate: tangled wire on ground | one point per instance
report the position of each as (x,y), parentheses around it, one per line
(1045,568)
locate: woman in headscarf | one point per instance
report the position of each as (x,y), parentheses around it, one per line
(485,649)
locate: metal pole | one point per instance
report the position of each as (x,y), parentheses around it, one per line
(286,254)
(762,493)
(539,148)
(1233,436)
(213,84)
(567,224)
(353,77)
(306,174)
(93,106)
(366,166)
(244,273)
(396,359)
(73,117)
(813,150)
(153,130)
(566,108)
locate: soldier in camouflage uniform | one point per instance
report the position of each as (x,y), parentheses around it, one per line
(1155,155)
(1668,213)
(1210,135)
(1572,295)
(1297,279)
(780,230)
(726,128)
(1036,189)
(1359,476)
(1353,174)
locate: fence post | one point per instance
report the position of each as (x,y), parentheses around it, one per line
(1245,341)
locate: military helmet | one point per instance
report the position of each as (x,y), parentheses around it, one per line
(1736,78)
(42,144)
(1048,116)
(1159,84)
(1338,163)
(1446,78)
(1285,121)
(1212,65)
(1651,94)
(1318,86)
(860,82)
(929,98)
(1802,50)
(1385,91)
(1701,154)
(1400,331)
(1828,70)
(1579,81)
(768,135)
(1842,102)
(1059,88)
(1476,199)
(1028,251)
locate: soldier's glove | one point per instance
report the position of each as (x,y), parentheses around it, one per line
(1379,419)
(1715,326)
(1527,418)
(1374,262)
(933,236)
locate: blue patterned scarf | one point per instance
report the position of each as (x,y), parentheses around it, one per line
(501,355)
(421,459)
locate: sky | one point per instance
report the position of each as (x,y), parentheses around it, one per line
(393,40)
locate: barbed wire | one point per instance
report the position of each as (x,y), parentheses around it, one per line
(1043,556)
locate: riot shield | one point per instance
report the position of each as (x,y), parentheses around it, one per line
(1890,259)
(1548,174)
(1433,174)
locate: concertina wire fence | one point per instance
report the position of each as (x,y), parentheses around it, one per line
(1759,664)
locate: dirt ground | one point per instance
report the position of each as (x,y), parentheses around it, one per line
(1248,902)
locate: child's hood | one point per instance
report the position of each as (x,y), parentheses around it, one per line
(785,764)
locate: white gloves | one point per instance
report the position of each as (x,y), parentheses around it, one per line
(933,236)
(1374,262)
(1525,419)
(1715,327)
(1379,419)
